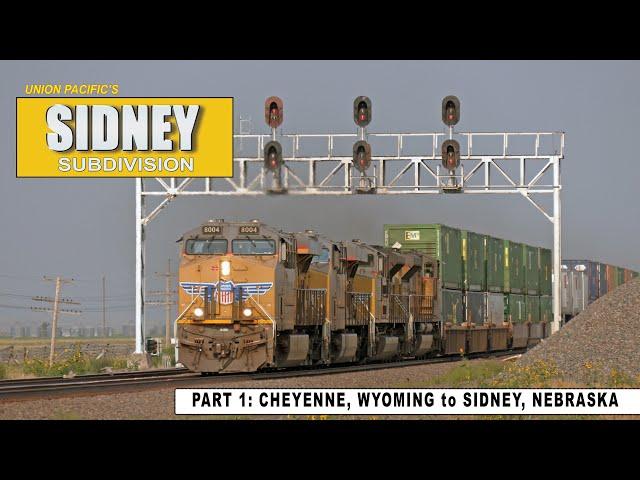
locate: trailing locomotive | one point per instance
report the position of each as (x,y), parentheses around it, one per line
(252,296)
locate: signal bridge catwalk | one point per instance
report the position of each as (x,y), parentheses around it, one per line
(489,164)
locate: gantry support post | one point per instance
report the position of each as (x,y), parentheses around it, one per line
(557,247)
(139,314)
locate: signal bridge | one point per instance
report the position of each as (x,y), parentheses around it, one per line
(487,163)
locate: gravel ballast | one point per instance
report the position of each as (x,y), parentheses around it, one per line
(602,341)
(158,403)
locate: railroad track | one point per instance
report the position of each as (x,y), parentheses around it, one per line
(133,381)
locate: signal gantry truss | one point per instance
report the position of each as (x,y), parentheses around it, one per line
(521,163)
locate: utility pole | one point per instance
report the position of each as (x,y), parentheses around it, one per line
(104,307)
(167,301)
(56,310)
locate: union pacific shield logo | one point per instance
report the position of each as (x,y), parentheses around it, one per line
(225,293)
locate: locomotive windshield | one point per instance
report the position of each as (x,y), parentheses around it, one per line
(206,247)
(322,258)
(252,246)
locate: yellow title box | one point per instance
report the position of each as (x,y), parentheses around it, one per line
(124,137)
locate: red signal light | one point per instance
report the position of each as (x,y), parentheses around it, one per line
(450,110)
(450,154)
(361,155)
(272,156)
(362,111)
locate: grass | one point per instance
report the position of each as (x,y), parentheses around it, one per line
(541,374)
(465,374)
(36,342)
(77,363)
(4,371)
(156,361)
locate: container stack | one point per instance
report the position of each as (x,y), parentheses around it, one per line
(487,283)
(584,281)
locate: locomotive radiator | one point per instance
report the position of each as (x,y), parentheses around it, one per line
(359,305)
(310,306)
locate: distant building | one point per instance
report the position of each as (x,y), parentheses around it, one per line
(128,330)
(105,332)
(44,330)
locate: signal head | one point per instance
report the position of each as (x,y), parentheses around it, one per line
(450,154)
(362,111)
(273,156)
(450,110)
(361,155)
(273,112)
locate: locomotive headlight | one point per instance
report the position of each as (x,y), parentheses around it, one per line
(225,267)
(198,312)
(247,312)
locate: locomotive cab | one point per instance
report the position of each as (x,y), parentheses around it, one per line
(227,297)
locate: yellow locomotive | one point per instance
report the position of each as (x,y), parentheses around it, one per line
(252,296)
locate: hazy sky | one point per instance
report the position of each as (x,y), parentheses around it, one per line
(84,228)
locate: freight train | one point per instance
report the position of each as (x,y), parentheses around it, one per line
(584,281)
(253,296)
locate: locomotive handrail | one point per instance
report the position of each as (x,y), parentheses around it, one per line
(266,314)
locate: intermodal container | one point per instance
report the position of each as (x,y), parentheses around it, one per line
(439,241)
(620,273)
(628,275)
(475,307)
(495,308)
(546,308)
(612,278)
(602,282)
(566,287)
(531,260)
(452,307)
(473,261)
(533,308)
(495,264)
(514,268)
(515,308)
(591,280)
(546,268)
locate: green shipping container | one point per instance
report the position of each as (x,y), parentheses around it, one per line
(495,264)
(620,274)
(439,241)
(533,308)
(452,308)
(514,268)
(473,261)
(546,309)
(515,308)
(531,259)
(546,269)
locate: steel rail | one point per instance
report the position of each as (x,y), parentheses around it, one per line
(94,376)
(134,381)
